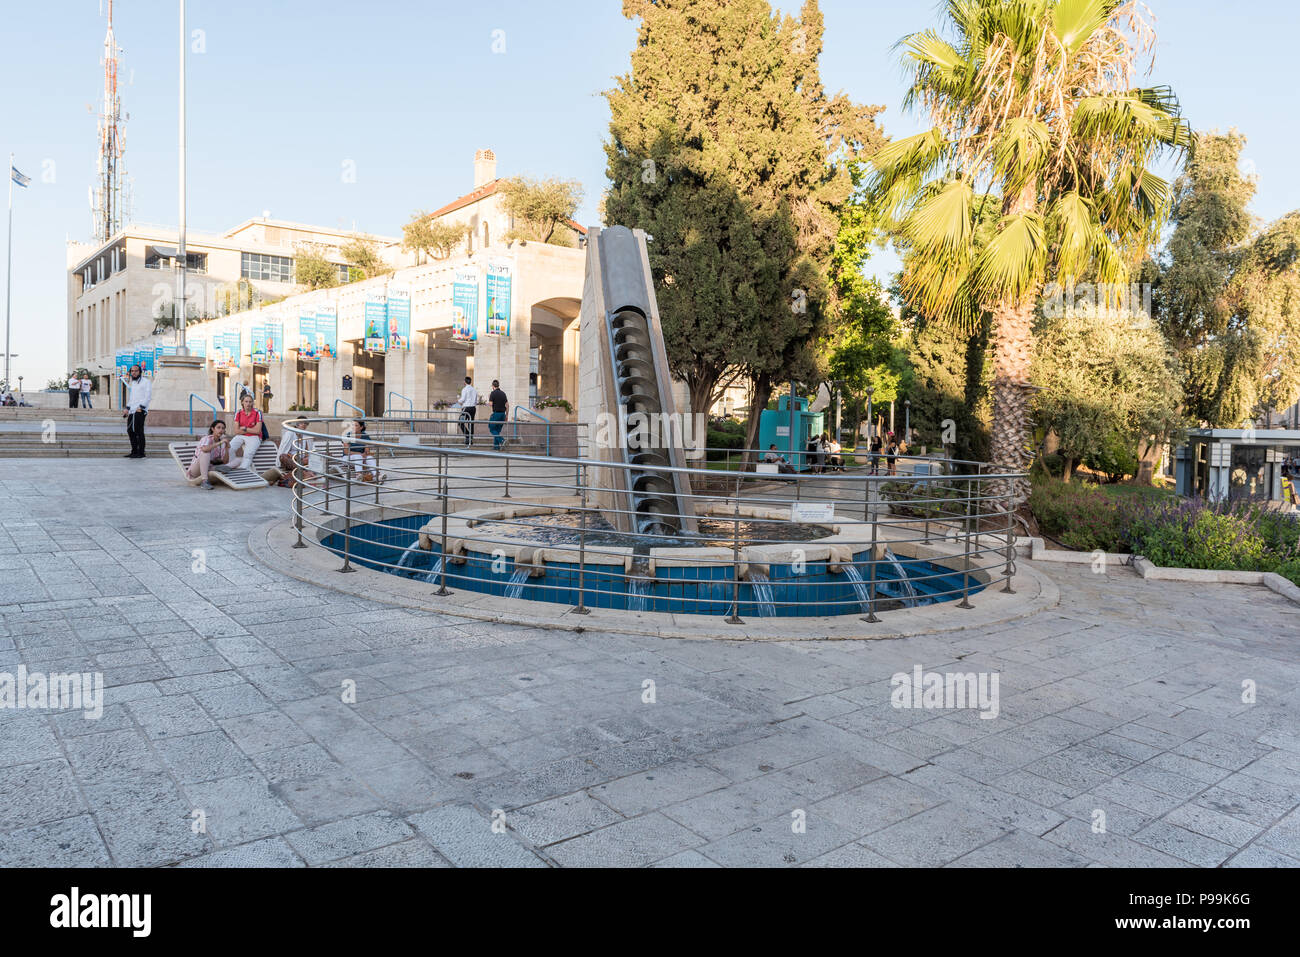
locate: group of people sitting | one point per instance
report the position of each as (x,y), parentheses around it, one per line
(824,454)
(235,449)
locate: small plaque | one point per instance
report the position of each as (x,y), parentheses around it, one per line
(812,512)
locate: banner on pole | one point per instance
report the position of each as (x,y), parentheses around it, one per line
(399,318)
(376,319)
(464,304)
(498,298)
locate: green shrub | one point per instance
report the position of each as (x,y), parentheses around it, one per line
(1114,458)
(1077,515)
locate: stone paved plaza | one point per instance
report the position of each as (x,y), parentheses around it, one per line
(224,697)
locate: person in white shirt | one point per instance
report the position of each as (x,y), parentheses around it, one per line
(468,406)
(85,393)
(74,390)
(138,393)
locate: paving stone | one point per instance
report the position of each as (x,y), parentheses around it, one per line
(268,852)
(935,836)
(1179,842)
(242,808)
(71,842)
(669,784)
(631,843)
(351,836)
(875,805)
(560,818)
(413,853)
(466,838)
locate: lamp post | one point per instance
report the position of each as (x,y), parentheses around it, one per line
(871,422)
(181,348)
(907,421)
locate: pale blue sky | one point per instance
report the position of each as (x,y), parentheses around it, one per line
(286,92)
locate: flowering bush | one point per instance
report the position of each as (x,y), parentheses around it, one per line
(1178,533)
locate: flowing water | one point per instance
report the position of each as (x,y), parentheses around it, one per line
(432,574)
(515,587)
(764,599)
(407,555)
(638,593)
(860,588)
(907,591)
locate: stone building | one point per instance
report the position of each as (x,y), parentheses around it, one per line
(118,290)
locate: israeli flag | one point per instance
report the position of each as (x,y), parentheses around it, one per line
(18,177)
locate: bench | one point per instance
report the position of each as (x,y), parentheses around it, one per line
(265,460)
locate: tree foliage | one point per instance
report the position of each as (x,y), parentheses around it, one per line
(542,208)
(436,239)
(1035,109)
(1228,294)
(311,269)
(362,254)
(1109,384)
(726,149)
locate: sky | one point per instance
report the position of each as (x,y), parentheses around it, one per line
(284,97)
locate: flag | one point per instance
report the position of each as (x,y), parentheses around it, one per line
(18,177)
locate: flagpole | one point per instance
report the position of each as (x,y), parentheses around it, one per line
(9,271)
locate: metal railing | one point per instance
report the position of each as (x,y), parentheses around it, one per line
(410,403)
(193,396)
(338,402)
(841,540)
(536,417)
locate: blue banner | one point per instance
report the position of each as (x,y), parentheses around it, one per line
(376,319)
(198,348)
(464,304)
(327,332)
(275,341)
(498,299)
(307,337)
(399,318)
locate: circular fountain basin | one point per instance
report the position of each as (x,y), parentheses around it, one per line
(818,569)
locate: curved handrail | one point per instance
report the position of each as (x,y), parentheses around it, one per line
(193,396)
(409,401)
(536,415)
(359,411)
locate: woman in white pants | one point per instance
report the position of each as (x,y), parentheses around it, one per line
(248,434)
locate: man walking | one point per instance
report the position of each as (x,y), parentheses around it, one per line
(468,406)
(85,391)
(499,402)
(138,393)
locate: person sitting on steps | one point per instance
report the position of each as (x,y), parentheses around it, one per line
(213,449)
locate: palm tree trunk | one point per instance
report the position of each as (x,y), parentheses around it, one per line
(1012,353)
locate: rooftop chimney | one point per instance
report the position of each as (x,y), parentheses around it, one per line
(485,167)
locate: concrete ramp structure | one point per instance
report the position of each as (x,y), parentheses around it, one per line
(625,391)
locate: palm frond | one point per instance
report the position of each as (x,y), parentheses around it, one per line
(1076,21)
(1011,265)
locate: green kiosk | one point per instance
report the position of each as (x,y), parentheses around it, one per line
(775,427)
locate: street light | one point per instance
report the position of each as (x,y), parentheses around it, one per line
(907,421)
(871,422)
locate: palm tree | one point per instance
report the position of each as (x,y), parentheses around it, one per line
(1034,108)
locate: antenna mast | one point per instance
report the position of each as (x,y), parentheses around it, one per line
(110,197)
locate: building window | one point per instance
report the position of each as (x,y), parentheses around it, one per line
(486,240)
(270,268)
(153,259)
(345,273)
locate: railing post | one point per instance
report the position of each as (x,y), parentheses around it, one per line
(347,528)
(582,608)
(298,497)
(507,495)
(965,573)
(445,485)
(735,618)
(871,618)
(1010,569)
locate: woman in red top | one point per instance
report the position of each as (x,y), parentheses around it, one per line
(248,433)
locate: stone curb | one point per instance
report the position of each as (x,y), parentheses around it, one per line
(1150,571)
(272,544)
